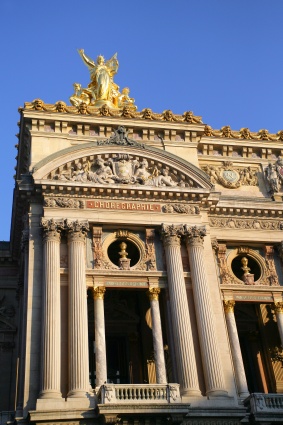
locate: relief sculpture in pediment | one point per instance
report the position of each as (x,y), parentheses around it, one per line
(121,169)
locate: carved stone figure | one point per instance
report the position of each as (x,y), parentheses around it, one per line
(272,178)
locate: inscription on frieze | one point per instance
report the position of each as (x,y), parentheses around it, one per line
(129,206)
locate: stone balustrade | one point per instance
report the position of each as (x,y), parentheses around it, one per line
(137,394)
(265,407)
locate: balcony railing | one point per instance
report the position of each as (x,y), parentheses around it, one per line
(138,394)
(259,403)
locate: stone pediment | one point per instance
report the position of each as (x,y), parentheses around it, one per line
(120,162)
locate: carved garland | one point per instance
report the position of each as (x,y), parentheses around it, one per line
(245,223)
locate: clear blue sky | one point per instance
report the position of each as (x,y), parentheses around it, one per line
(222,59)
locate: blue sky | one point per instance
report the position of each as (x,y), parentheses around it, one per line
(222,59)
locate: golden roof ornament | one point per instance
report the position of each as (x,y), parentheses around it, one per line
(102,90)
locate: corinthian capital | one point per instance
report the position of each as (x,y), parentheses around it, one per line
(171,234)
(229,306)
(77,229)
(52,228)
(194,234)
(278,307)
(98,292)
(153,294)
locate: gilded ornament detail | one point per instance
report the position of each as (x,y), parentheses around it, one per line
(98,292)
(229,306)
(153,293)
(278,307)
(230,176)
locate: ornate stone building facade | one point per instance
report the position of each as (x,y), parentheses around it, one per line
(143,281)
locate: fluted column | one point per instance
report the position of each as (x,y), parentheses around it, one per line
(51,329)
(100,345)
(157,336)
(205,322)
(184,348)
(78,325)
(236,349)
(278,306)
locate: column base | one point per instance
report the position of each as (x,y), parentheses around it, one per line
(51,394)
(77,394)
(216,393)
(185,392)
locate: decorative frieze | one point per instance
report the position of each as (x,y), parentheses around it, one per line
(63,203)
(181,209)
(245,223)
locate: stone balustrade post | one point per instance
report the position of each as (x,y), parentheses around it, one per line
(278,306)
(213,373)
(157,336)
(78,323)
(51,329)
(184,347)
(99,328)
(236,349)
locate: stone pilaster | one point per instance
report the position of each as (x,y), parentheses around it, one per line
(205,322)
(184,348)
(157,336)
(236,349)
(278,307)
(51,336)
(99,327)
(78,324)
(22,327)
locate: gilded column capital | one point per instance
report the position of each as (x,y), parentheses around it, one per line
(278,307)
(153,294)
(77,230)
(52,229)
(229,306)
(171,234)
(194,235)
(98,292)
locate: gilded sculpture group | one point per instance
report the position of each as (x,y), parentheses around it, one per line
(102,90)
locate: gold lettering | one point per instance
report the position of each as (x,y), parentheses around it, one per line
(113,205)
(101,204)
(123,206)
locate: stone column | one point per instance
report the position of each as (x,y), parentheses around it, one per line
(157,336)
(100,345)
(51,328)
(78,325)
(184,347)
(205,322)
(235,348)
(278,306)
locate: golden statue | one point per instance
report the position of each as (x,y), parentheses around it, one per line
(245,267)
(102,88)
(123,252)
